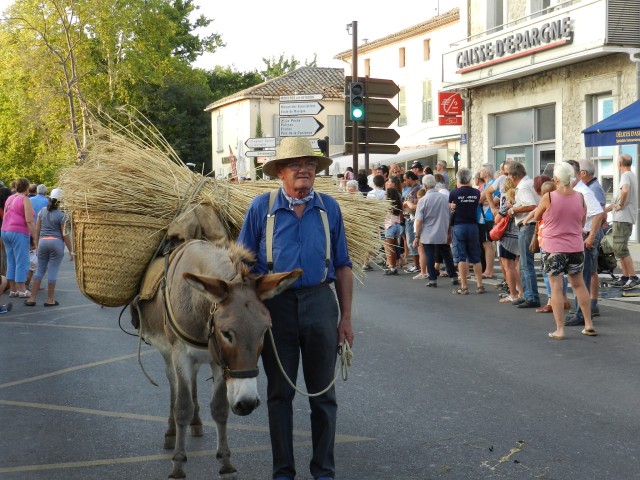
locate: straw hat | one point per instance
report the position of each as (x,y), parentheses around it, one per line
(292,148)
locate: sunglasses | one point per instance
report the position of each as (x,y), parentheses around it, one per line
(297,166)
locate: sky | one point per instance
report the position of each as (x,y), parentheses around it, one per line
(255,29)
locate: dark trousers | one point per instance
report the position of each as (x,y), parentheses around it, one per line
(431,249)
(304,327)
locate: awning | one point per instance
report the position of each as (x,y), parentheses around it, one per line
(340,163)
(621,128)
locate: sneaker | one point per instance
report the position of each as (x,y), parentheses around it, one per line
(631,283)
(25,294)
(367,268)
(573,321)
(412,269)
(455,281)
(13,294)
(391,271)
(420,276)
(431,283)
(622,281)
(6,308)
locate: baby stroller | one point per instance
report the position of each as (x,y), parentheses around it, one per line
(607,262)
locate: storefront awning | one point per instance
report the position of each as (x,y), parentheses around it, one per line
(621,128)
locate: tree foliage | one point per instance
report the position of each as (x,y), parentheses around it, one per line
(277,67)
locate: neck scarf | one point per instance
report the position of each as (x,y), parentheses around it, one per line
(298,201)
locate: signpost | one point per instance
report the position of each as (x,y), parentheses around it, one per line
(300,108)
(263,142)
(299,126)
(301,98)
(260,153)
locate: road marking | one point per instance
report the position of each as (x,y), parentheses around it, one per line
(151,458)
(73,369)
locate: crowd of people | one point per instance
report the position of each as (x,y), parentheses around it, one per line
(33,241)
(437,230)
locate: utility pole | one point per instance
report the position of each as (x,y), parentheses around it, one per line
(354,76)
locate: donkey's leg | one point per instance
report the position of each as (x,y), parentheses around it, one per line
(170,433)
(196,422)
(182,410)
(220,414)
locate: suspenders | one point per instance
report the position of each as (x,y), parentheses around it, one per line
(271,220)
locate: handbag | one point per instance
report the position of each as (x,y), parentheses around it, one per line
(499,228)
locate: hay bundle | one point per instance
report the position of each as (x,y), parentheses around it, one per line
(130,173)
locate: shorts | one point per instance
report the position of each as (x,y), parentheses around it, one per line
(504,253)
(483,231)
(393,232)
(621,234)
(466,244)
(556,264)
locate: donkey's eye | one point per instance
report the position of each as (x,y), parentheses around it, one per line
(227,336)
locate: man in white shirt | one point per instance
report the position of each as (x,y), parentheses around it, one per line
(590,230)
(526,200)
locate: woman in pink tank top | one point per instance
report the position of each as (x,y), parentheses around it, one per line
(564,212)
(17,230)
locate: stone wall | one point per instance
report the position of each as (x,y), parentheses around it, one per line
(569,88)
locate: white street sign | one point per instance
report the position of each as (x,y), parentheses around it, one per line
(300,108)
(260,153)
(299,126)
(301,98)
(264,142)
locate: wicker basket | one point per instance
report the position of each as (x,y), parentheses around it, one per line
(113,252)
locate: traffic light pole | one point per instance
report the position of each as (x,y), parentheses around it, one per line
(354,76)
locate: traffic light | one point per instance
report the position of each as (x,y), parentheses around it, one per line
(356,101)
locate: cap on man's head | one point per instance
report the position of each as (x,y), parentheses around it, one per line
(417,165)
(383,168)
(56,193)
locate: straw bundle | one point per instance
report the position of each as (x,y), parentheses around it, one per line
(131,170)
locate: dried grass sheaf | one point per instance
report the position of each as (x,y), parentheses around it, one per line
(130,168)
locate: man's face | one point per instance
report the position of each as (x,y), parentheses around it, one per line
(417,171)
(298,175)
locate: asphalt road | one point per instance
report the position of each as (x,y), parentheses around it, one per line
(442,387)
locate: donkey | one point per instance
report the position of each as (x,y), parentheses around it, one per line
(209,311)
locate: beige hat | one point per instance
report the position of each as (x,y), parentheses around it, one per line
(292,148)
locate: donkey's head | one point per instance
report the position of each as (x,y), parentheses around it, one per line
(239,323)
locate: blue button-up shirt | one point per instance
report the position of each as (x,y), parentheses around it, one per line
(297,242)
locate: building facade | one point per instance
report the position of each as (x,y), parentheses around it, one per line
(535,73)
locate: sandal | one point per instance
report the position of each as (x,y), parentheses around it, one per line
(480,289)
(461,291)
(506,299)
(13,294)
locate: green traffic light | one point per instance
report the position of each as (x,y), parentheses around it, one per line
(357,113)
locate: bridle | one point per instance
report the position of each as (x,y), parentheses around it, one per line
(212,339)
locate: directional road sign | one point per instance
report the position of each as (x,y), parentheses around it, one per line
(299,126)
(260,153)
(264,142)
(373,148)
(373,135)
(300,108)
(301,98)
(376,87)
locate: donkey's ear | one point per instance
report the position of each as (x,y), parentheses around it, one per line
(213,288)
(269,286)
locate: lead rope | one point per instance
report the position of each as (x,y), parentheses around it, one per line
(346,357)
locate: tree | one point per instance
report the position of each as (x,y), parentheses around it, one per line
(276,68)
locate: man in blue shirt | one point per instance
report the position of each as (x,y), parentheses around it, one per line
(40,200)
(308,321)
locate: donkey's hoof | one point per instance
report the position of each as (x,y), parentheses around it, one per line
(197,431)
(169,442)
(229,476)
(178,474)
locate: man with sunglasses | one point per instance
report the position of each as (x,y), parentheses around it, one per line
(297,227)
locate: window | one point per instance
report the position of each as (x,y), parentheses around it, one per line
(367,67)
(401,57)
(219,144)
(427,101)
(539,7)
(527,136)
(495,15)
(402,107)
(336,129)
(426,50)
